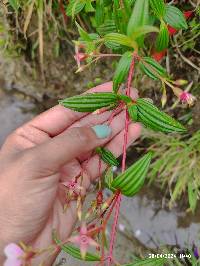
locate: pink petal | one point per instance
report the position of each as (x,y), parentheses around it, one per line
(83,249)
(92,242)
(75,239)
(13,251)
(12,262)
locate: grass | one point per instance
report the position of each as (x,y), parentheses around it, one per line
(176,165)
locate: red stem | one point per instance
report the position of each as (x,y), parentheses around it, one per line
(118,202)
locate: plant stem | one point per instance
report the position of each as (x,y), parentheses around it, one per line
(119,197)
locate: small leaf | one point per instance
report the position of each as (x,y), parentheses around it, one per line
(122,70)
(83,34)
(89,7)
(138,32)
(152,68)
(74,251)
(162,40)
(132,180)
(139,17)
(74,7)
(120,39)
(158,7)
(90,102)
(107,27)
(107,156)
(155,119)
(133,112)
(175,18)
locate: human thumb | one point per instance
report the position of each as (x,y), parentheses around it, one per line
(61,149)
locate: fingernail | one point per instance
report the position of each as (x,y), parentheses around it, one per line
(102,131)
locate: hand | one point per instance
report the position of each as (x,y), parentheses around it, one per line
(38,157)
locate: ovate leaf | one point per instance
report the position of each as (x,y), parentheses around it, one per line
(107,27)
(152,68)
(152,117)
(162,40)
(90,102)
(74,7)
(175,18)
(158,7)
(122,70)
(120,39)
(132,180)
(139,16)
(107,156)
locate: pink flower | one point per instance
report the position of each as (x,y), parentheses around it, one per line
(79,57)
(14,255)
(187,97)
(83,240)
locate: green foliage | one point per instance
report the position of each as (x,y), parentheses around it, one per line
(107,156)
(158,7)
(132,180)
(74,7)
(175,18)
(148,262)
(162,40)
(133,112)
(176,165)
(122,70)
(155,119)
(90,102)
(152,68)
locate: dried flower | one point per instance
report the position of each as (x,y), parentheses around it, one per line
(83,240)
(79,56)
(14,255)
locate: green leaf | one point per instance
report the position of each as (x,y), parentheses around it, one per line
(83,34)
(158,7)
(120,39)
(155,119)
(138,32)
(74,7)
(74,251)
(175,18)
(107,156)
(107,27)
(192,196)
(99,15)
(139,17)
(162,40)
(122,70)
(14,4)
(133,112)
(132,180)
(90,102)
(152,68)
(88,6)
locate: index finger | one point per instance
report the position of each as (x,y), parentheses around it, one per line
(55,120)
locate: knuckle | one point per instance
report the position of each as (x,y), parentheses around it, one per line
(83,135)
